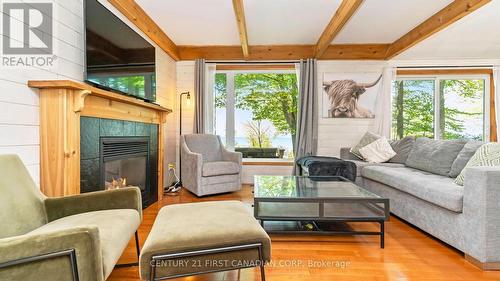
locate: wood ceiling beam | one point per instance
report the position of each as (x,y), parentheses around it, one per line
(345,11)
(255,66)
(451,71)
(285,52)
(138,16)
(239,12)
(210,52)
(448,15)
(355,52)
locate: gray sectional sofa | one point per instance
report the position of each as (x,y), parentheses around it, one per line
(422,191)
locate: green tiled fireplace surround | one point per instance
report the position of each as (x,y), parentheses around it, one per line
(92,129)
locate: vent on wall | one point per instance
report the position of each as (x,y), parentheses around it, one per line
(119,147)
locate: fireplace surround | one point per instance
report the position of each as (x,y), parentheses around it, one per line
(118,149)
(63,103)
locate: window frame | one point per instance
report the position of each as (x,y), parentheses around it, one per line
(437,78)
(231,105)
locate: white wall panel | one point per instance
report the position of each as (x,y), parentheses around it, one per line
(18,114)
(14,135)
(19,111)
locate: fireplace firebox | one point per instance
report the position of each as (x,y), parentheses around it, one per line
(124,161)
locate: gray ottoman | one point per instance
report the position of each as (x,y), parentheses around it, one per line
(198,238)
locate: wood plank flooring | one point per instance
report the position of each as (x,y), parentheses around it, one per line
(410,254)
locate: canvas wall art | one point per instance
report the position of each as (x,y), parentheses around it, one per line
(350,95)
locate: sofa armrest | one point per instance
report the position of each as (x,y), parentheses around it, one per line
(191,167)
(123,198)
(482,209)
(345,153)
(235,157)
(52,252)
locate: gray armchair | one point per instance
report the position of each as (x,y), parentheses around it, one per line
(69,238)
(207,167)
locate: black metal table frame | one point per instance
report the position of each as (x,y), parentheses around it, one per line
(322,218)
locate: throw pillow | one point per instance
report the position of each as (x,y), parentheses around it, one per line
(486,155)
(434,156)
(402,148)
(365,140)
(464,156)
(378,151)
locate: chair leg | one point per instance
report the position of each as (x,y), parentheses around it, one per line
(137,249)
(261,260)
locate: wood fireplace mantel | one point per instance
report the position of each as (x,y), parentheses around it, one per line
(62,103)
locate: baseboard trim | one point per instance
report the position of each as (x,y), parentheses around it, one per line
(483,265)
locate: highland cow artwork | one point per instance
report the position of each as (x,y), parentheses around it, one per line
(351,95)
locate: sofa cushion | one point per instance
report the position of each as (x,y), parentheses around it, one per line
(379,151)
(436,189)
(488,155)
(116,227)
(219,168)
(360,165)
(435,156)
(367,138)
(402,148)
(463,157)
(21,203)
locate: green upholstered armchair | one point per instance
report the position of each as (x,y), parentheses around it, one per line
(70,238)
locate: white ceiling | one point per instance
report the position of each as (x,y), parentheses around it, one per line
(195,22)
(212,22)
(476,36)
(284,22)
(384,21)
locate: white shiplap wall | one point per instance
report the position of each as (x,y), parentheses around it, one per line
(336,133)
(166,89)
(185,83)
(19,105)
(19,108)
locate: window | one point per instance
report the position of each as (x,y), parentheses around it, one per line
(441,107)
(255,112)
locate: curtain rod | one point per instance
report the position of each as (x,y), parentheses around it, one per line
(253,62)
(444,66)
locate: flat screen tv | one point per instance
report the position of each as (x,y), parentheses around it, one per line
(117,58)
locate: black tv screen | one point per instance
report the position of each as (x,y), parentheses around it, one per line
(117,58)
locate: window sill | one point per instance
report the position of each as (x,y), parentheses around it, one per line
(267,162)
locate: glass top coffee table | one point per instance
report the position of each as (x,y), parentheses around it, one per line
(311,203)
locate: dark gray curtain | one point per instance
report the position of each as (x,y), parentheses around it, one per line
(307,121)
(199,97)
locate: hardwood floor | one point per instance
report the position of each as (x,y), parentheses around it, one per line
(410,254)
